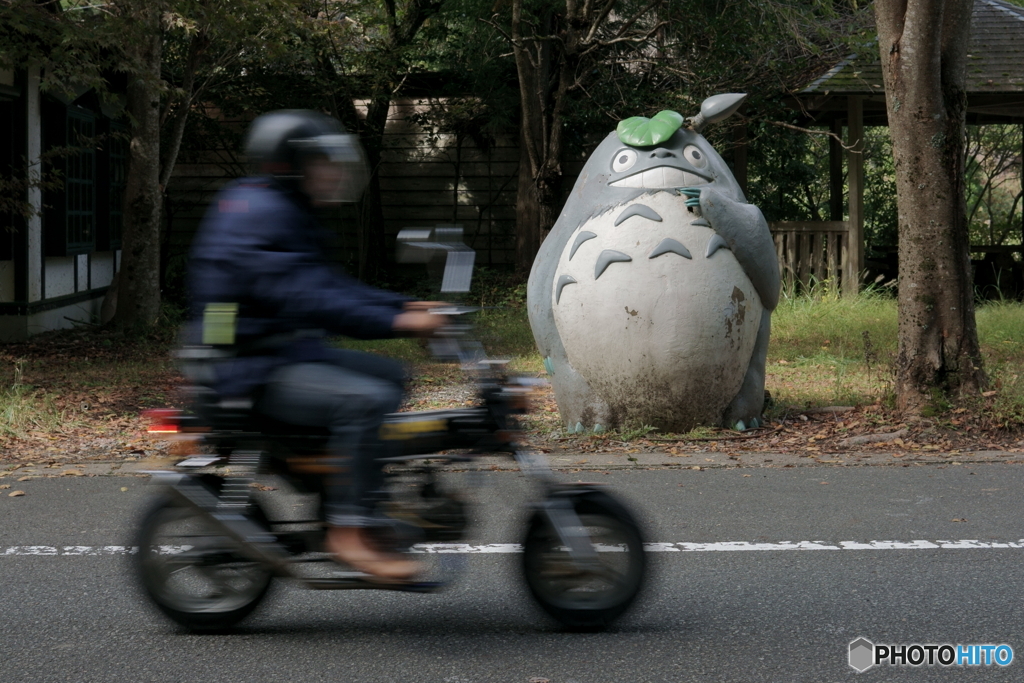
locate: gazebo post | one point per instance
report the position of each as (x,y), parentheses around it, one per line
(855,164)
(835,172)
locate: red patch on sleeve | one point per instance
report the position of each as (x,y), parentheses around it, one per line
(233,206)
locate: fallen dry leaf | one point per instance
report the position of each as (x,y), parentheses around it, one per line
(958,519)
(15,494)
(24,478)
(5,486)
(72,473)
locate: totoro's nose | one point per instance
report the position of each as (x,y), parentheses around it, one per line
(662,153)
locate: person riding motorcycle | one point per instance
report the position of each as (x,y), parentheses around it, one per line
(262,288)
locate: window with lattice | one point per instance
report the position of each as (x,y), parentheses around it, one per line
(80,183)
(113,162)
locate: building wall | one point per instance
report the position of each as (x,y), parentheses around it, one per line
(55,292)
(18,327)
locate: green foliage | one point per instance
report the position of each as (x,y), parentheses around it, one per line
(788,174)
(993,175)
(880,214)
(789,179)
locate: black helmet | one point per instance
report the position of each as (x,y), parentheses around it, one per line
(281,143)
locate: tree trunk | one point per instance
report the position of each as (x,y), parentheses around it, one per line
(923,46)
(536,209)
(543,83)
(371,228)
(138,299)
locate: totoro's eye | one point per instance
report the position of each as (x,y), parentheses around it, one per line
(696,157)
(624,160)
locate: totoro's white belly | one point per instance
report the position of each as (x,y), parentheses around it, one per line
(666,340)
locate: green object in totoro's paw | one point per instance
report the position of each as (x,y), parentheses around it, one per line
(691,192)
(640,131)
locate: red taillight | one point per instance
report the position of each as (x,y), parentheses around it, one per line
(163,421)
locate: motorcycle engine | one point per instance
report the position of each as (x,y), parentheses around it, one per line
(441,516)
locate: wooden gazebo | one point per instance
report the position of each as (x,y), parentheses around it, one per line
(851,95)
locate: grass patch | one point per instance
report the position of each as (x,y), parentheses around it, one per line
(24,409)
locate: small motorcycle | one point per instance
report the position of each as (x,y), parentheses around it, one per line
(212,542)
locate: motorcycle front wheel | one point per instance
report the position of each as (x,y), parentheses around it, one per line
(586,599)
(194,574)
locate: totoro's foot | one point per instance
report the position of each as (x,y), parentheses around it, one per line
(743,425)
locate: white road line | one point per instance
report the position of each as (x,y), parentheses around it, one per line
(505,548)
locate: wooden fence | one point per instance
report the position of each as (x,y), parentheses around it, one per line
(424,179)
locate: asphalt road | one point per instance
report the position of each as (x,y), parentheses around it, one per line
(769,612)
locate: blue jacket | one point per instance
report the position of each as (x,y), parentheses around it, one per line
(260,247)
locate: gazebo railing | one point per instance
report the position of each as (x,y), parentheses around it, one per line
(812,252)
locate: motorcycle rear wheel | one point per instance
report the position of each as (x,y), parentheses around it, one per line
(586,600)
(193,573)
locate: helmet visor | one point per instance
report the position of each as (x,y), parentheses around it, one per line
(334,168)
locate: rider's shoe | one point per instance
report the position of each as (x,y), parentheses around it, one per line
(349,546)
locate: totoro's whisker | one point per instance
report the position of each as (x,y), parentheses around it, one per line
(714,244)
(638,210)
(669,245)
(608,257)
(563,280)
(580,239)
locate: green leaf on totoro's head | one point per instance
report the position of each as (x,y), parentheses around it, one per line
(640,131)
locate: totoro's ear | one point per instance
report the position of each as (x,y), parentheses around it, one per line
(717,108)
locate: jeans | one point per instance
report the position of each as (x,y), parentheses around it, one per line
(350,396)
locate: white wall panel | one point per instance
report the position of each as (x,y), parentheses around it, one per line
(102,268)
(60,276)
(83,272)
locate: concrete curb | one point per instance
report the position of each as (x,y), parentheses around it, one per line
(587,462)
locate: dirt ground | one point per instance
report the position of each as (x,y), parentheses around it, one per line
(96,386)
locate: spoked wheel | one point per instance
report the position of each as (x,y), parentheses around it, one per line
(586,599)
(193,573)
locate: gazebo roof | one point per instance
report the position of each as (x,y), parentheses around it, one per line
(995,71)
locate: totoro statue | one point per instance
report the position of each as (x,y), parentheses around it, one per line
(651,298)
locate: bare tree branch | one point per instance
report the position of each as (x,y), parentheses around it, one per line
(811,131)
